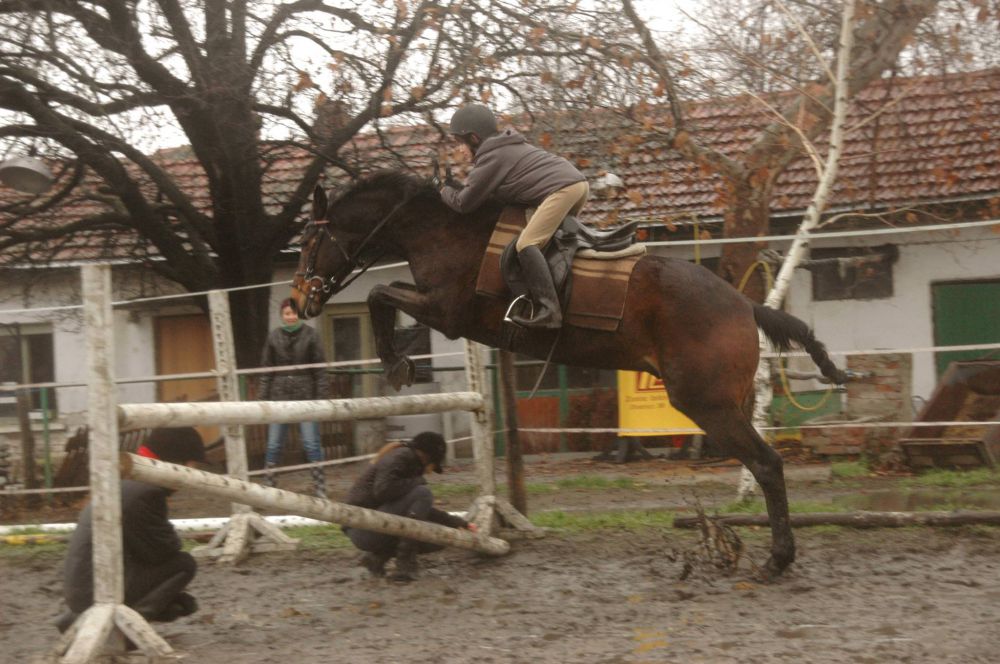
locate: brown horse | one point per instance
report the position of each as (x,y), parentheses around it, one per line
(681,322)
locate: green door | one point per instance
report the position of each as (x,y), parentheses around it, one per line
(966,313)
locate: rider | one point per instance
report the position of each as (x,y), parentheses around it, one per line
(511,170)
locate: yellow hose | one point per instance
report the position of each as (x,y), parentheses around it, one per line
(781,365)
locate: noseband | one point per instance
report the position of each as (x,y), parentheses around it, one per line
(320,286)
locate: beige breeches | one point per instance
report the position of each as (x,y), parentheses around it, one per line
(547,217)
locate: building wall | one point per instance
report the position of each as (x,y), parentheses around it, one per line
(904,320)
(901,321)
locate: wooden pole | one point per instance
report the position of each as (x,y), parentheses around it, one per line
(856,519)
(102,421)
(174,476)
(27,440)
(480,426)
(104,626)
(134,415)
(515,460)
(246,531)
(228,386)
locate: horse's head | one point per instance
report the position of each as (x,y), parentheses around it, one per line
(348,235)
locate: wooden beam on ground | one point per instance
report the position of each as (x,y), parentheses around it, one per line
(857,519)
(152,415)
(174,476)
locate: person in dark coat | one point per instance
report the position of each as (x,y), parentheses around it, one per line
(289,344)
(156,570)
(394,483)
(506,167)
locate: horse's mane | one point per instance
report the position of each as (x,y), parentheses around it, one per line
(409,185)
(413,188)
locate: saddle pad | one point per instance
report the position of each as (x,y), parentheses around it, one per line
(597,299)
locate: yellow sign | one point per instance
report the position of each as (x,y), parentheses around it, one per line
(643,404)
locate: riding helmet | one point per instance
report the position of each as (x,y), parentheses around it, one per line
(474,119)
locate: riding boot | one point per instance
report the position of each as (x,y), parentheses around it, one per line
(270,479)
(546,312)
(319,481)
(406,562)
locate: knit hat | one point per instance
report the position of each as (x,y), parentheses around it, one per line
(433,445)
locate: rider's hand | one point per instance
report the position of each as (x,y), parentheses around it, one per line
(473,527)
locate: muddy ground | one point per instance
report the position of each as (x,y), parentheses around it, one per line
(891,595)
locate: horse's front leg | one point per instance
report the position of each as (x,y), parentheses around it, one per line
(383,303)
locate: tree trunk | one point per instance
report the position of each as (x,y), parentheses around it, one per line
(250,313)
(747,215)
(515,461)
(27,439)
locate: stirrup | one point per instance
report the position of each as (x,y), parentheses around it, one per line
(510,308)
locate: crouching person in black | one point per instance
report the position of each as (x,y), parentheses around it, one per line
(394,483)
(156,570)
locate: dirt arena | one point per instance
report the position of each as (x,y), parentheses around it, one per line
(604,596)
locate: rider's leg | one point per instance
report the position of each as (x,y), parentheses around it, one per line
(550,214)
(546,312)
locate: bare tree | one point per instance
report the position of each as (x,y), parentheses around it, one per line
(243,86)
(748,54)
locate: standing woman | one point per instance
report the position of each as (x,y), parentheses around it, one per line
(288,344)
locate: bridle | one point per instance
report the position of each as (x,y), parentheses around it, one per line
(322,287)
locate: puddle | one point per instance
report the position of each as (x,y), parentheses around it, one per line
(913,500)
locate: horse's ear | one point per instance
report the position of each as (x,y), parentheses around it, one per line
(319,203)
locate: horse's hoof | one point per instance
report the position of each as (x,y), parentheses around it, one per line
(401,373)
(772,569)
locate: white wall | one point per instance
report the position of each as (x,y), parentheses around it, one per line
(904,320)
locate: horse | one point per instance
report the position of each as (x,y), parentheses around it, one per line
(681,322)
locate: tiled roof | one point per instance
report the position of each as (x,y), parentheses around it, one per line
(939,140)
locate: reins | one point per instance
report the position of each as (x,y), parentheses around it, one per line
(352,261)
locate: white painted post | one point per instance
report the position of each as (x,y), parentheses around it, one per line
(479,425)
(246,531)
(488,511)
(102,421)
(228,385)
(101,625)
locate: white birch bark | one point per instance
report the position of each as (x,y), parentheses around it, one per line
(828,176)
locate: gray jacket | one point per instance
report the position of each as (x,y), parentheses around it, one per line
(285,348)
(514,172)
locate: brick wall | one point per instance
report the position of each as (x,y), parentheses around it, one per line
(884,396)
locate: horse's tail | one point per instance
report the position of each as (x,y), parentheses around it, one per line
(783,329)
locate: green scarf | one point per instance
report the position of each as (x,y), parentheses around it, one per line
(294,327)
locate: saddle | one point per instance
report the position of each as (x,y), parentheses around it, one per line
(590,268)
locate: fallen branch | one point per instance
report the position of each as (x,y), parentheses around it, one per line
(856,519)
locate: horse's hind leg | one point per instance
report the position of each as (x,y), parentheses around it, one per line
(729,428)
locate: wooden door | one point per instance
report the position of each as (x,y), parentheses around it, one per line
(184,345)
(965,313)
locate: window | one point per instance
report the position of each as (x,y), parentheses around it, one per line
(852,273)
(348,334)
(26,356)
